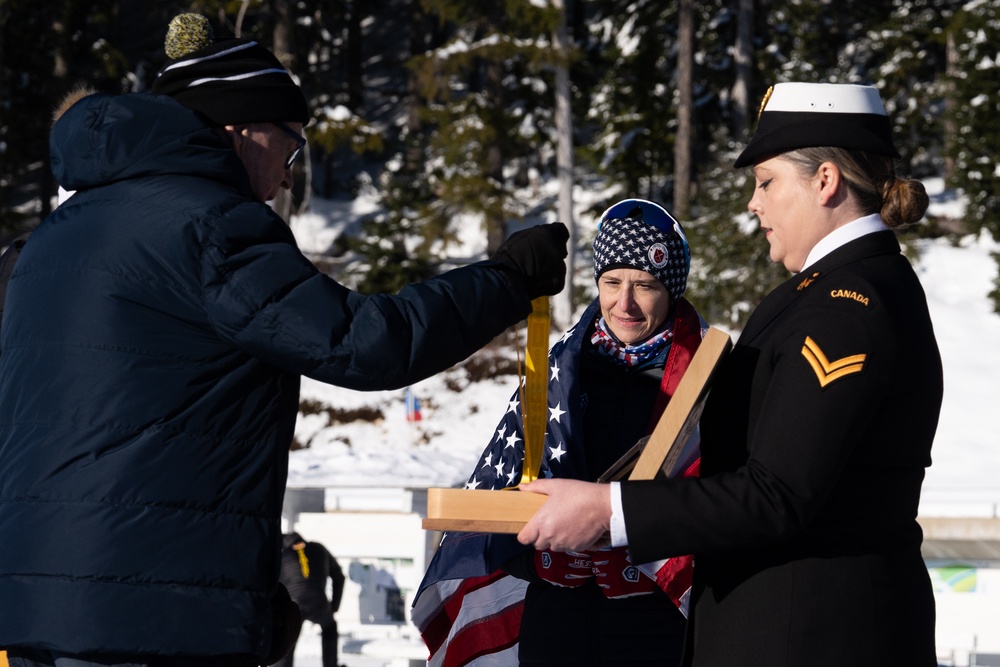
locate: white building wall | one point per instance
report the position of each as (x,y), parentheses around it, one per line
(968,610)
(378,530)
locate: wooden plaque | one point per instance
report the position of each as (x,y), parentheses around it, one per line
(663,452)
(504,511)
(669,447)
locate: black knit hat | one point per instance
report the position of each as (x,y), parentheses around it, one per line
(640,234)
(803,115)
(230,81)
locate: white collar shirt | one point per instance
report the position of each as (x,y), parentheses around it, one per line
(855,229)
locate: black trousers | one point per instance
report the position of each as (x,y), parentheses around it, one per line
(328,640)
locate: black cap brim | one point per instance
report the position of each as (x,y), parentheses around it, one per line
(782,131)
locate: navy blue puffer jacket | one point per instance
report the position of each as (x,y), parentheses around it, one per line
(155,329)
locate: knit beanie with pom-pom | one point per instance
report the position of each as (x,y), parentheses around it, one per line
(229,81)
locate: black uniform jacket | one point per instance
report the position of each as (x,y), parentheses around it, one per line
(815,438)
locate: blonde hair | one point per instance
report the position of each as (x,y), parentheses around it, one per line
(872,180)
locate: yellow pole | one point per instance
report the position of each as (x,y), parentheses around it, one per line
(536,384)
(3,659)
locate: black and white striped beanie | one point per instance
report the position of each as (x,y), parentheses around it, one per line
(640,234)
(230,81)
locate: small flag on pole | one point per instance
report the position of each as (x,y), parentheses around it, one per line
(412,406)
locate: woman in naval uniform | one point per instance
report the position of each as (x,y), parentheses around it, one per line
(818,427)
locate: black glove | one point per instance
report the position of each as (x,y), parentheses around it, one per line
(287,622)
(533,258)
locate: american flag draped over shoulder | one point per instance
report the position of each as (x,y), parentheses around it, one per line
(467,610)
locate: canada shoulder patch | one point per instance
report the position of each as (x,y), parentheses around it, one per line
(837,293)
(828,371)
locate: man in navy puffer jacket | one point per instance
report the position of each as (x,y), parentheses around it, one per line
(155,329)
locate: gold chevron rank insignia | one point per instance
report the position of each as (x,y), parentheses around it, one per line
(827,371)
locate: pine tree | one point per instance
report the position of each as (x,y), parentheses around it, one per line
(44,53)
(632,109)
(458,134)
(635,105)
(731,270)
(905,56)
(976,107)
(488,112)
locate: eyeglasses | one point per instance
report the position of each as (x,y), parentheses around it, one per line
(299,140)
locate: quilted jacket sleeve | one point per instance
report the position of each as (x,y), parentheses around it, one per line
(267,298)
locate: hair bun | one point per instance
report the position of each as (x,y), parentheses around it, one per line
(186,34)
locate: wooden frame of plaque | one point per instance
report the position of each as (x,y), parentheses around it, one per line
(667,451)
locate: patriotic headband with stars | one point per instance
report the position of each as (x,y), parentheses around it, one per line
(640,234)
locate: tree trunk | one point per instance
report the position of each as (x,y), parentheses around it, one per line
(743,59)
(282,42)
(283,47)
(418,41)
(59,67)
(562,304)
(355,58)
(58,87)
(682,145)
(495,216)
(950,128)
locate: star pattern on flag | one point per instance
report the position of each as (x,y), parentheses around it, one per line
(501,463)
(512,440)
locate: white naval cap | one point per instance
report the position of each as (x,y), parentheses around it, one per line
(800,115)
